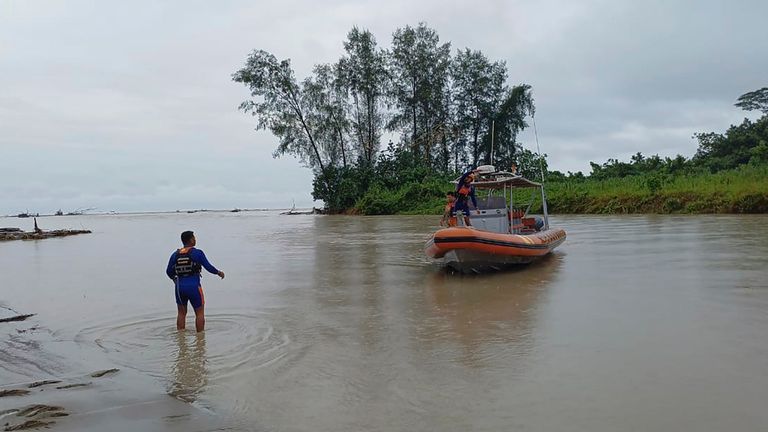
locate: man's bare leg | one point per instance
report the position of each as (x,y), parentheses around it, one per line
(200,319)
(181,317)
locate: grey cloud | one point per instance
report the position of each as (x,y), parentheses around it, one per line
(130,106)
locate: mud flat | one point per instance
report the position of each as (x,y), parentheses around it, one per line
(50,384)
(17,234)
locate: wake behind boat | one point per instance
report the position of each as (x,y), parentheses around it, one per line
(501,235)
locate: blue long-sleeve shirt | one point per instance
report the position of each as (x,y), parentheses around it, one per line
(471,193)
(193,280)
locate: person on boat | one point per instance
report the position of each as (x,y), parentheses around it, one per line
(450,204)
(464,192)
(184,269)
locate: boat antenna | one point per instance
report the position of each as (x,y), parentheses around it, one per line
(493,130)
(541,168)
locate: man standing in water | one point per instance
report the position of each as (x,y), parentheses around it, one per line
(184,269)
(464,192)
(448,219)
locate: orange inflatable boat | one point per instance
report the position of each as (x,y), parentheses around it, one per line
(468,249)
(500,235)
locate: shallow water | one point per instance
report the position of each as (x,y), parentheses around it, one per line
(342,324)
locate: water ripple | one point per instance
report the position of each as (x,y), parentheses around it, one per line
(233,344)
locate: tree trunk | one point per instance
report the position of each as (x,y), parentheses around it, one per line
(358,125)
(475,149)
(312,142)
(341,143)
(371,134)
(413,109)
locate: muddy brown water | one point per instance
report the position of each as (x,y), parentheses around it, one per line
(328,323)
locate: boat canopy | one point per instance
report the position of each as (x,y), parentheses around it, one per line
(501,180)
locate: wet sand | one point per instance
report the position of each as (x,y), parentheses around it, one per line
(329,323)
(108,399)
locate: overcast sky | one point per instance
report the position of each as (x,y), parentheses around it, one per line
(129,106)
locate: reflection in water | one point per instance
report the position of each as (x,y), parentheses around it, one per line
(488,315)
(189,369)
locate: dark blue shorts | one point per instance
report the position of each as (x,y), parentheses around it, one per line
(462,207)
(192,294)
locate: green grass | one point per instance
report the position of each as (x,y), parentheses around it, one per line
(741,190)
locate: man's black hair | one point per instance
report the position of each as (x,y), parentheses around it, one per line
(186,236)
(453,194)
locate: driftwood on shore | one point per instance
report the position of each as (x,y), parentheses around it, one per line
(37,234)
(22,235)
(308,212)
(21,317)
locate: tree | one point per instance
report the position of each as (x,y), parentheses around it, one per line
(443,108)
(509,121)
(530,164)
(478,87)
(735,147)
(363,74)
(280,106)
(326,107)
(419,76)
(754,101)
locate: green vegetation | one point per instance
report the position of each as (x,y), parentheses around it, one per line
(739,190)
(728,174)
(442,108)
(445,109)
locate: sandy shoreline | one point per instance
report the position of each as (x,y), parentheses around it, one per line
(44,385)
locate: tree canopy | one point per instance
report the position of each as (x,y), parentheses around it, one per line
(754,101)
(443,106)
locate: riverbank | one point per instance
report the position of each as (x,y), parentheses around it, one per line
(52,383)
(741,190)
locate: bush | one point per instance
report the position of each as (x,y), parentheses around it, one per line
(378,201)
(672,205)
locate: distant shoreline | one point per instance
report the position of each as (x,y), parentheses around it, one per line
(238,210)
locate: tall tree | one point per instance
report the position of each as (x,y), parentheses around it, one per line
(334,119)
(327,108)
(363,73)
(281,106)
(478,90)
(419,70)
(516,106)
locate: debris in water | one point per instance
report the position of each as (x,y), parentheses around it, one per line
(13,392)
(29,424)
(34,415)
(69,386)
(41,411)
(16,318)
(42,383)
(100,374)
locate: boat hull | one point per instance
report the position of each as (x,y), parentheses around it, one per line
(470,250)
